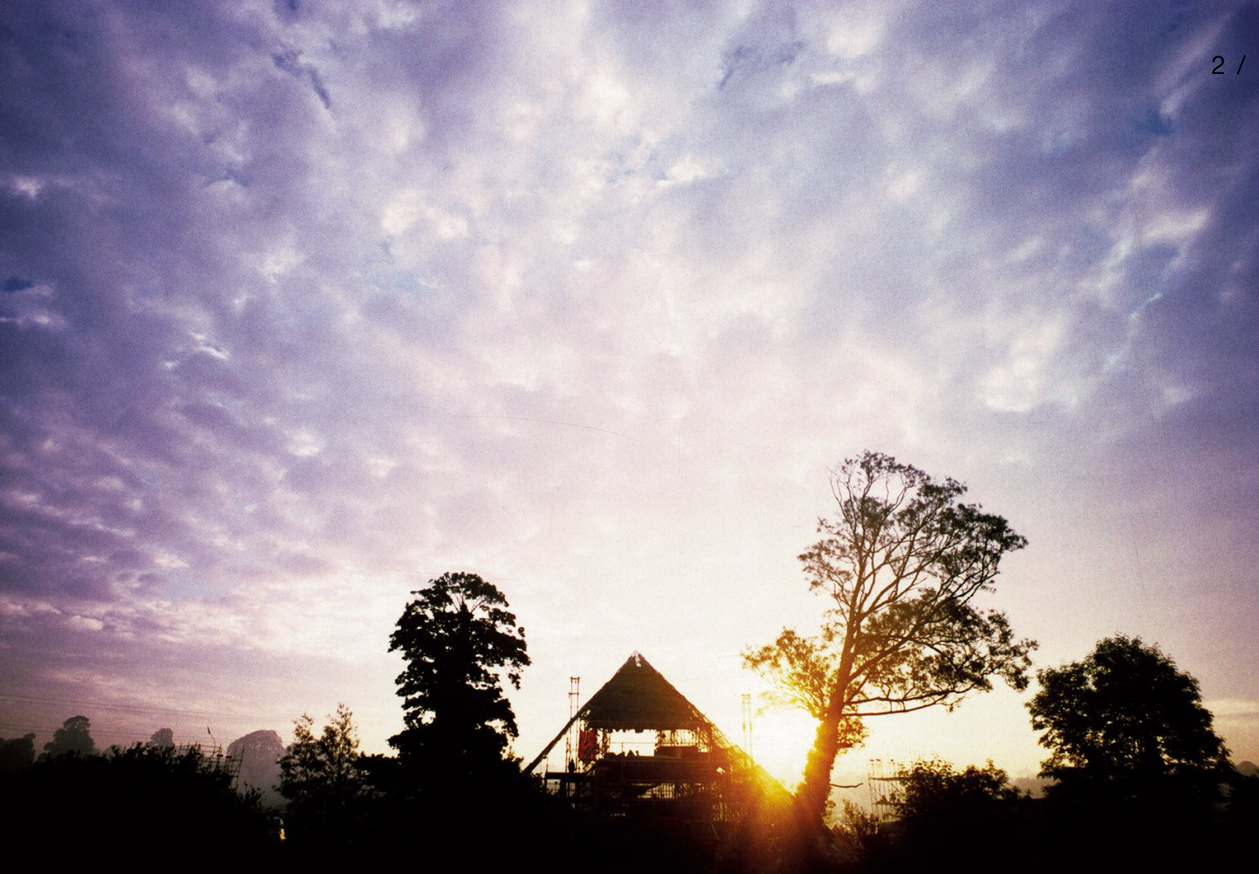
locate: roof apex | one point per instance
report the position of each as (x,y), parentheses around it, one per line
(639,698)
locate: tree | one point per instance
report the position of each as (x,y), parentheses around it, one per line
(935,789)
(321,775)
(259,754)
(902,562)
(937,804)
(1125,724)
(74,738)
(16,753)
(163,737)
(934,797)
(459,640)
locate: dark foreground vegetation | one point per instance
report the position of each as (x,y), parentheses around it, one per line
(973,820)
(1140,779)
(1142,783)
(145,807)
(154,808)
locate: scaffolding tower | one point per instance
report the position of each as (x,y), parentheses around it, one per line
(883,778)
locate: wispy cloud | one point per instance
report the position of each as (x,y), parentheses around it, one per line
(303,306)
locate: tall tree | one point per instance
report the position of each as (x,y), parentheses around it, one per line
(459,641)
(74,737)
(1125,723)
(901,562)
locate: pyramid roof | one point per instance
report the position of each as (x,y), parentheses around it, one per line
(639,698)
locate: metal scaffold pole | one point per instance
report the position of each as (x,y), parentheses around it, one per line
(570,740)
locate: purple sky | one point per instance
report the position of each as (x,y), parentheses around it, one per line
(303,306)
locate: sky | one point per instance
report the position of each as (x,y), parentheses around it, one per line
(304,304)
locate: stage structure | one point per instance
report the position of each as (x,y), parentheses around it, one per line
(644,751)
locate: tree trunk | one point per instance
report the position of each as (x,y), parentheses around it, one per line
(816,787)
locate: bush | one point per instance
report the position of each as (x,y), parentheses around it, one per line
(140,805)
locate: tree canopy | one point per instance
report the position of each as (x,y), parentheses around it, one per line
(259,754)
(73,738)
(321,775)
(460,642)
(937,804)
(900,562)
(17,753)
(935,789)
(1125,720)
(163,737)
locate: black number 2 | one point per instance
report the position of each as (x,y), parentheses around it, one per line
(1217,70)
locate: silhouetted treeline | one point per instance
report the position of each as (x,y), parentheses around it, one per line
(491,819)
(145,806)
(157,806)
(974,820)
(16,754)
(1141,782)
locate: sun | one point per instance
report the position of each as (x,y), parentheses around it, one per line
(780,742)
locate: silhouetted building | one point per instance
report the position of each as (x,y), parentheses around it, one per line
(638,748)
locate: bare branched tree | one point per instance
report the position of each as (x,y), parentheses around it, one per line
(901,563)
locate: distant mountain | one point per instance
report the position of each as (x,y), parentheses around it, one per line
(1247,769)
(260,753)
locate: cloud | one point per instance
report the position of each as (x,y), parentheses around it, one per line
(304,306)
